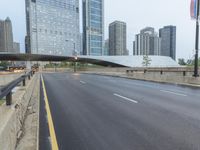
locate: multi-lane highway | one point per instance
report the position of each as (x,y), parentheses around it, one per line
(91,112)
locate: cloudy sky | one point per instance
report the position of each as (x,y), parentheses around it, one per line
(136,13)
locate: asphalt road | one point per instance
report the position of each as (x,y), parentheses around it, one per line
(92,112)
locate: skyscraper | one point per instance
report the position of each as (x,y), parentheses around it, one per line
(106,48)
(16,47)
(117,38)
(93,27)
(168,42)
(6,36)
(147,42)
(52,27)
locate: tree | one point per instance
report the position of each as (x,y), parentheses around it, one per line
(190,62)
(182,62)
(4,65)
(146,61)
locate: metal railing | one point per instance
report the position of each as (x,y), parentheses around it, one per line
(6,91)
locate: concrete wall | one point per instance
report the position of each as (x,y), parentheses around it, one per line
(167,75)
(12,117)
(56,69)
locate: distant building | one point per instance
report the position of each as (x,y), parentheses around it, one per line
(81,43)
(27,45)
(168,43)
(16,47)
(6,36)
(134,49)
(106,48)
(52,27)
(126,52)
(93,27)
(147,42)
(117,38)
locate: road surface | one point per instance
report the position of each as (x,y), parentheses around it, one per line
(92,112)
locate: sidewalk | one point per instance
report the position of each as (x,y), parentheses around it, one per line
(12,117)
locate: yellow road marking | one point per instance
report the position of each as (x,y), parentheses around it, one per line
(54,143)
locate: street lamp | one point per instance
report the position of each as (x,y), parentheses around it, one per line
(74,46)
(74,54)
(196,74)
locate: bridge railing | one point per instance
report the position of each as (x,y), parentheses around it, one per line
(6,91)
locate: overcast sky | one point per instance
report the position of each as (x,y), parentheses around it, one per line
(136,13)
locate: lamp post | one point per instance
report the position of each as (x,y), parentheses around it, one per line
(75,64)
(74,54)
(196,65)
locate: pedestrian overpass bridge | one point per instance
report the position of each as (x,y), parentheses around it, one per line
(113,61)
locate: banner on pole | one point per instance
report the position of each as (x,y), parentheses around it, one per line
(193,9)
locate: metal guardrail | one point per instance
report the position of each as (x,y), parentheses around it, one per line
(6,91)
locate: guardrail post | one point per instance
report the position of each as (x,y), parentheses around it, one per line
(184,73)
(9,99)
(24,82)
(29,77)
(161,72)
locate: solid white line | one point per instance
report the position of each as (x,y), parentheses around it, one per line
(126,98)
(179,94)
(82,82)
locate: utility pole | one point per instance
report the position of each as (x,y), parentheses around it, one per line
(196,65)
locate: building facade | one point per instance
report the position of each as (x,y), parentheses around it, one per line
(168,43)
(93,27)
(106,48)
(117,38)
(52,27)
(147,42)
(16,47)
(6,36)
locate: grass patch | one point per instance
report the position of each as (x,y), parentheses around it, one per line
(1,101)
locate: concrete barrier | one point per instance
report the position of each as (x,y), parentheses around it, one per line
(173,77)
(12,117)
(57,69)
(181,75)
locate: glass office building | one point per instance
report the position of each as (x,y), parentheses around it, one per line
(52,27)
(168,42)
(6,36)
(117,38)
(93,27)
